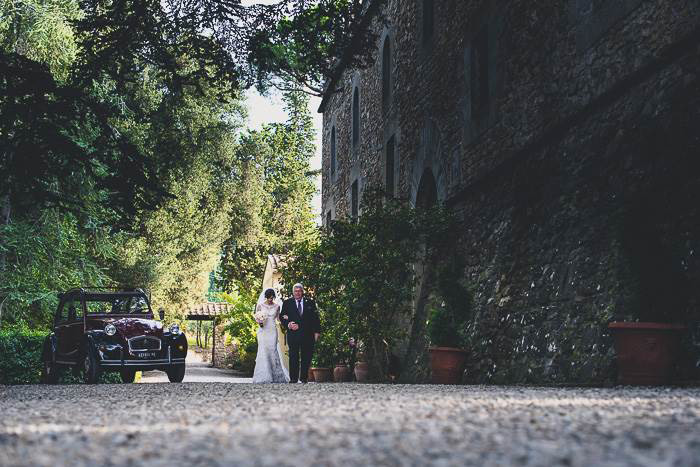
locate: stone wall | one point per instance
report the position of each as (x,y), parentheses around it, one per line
(223,354)
(564,137)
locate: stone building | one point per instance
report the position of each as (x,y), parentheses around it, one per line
(564,136)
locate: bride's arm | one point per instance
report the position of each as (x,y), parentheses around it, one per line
(285,322)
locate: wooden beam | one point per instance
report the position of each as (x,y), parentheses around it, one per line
(213,342)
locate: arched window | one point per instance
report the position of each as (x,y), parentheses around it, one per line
(386,73)
(428,20)
(333,154)
(355,200)
(355,117)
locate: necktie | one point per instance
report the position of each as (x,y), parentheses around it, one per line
(299,309)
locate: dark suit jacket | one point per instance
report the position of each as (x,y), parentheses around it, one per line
(309,323)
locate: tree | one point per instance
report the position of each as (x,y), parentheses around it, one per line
(275,212)
(118,154)
(311,45)
(291,44)
(105,186)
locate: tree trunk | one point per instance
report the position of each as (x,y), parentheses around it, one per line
(5,219)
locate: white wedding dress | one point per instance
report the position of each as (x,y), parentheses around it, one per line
(268,363)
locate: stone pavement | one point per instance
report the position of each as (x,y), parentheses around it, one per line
(219,424)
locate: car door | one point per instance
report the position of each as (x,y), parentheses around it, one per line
(69,330)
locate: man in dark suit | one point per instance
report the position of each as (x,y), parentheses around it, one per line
(300,317)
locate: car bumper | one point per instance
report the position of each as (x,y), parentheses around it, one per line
(143,363)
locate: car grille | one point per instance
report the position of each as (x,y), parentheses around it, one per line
(144,343)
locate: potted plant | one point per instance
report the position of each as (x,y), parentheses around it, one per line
(449,308)
(323,359)
(648,340)
(361,367)
(344,354)
(341,373)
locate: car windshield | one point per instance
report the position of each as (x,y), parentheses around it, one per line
(117,305)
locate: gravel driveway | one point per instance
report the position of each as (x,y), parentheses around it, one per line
(194,424)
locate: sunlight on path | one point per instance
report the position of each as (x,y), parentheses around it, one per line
(197,372)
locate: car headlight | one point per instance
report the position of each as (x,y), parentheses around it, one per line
(110,329)
(174,329)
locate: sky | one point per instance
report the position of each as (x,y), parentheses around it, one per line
(269,109)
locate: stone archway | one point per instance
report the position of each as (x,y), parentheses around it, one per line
(429,157)
(427,195)
(415,360)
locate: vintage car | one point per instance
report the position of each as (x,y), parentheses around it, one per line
(98,330)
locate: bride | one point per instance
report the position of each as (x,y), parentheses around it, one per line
(268,363)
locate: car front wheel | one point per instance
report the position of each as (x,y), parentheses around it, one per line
(128,375)
(176,373)
(91,371)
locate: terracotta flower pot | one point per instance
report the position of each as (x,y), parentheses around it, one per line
(361,372)
(447,364)
(310,376)
(646,352)
(322,375)
(341,373)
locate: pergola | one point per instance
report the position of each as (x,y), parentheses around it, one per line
(209,311)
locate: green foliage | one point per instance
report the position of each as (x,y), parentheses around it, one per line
(240,322)
(41,31)
(117,183)
(47,255)
(305,47)
(179,243)
(361,273)
(20,358)
(121,163)
(274,212)
(243,328)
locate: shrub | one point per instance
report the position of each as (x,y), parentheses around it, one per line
(239,322)
(361,274)
(20,355)
(20,359)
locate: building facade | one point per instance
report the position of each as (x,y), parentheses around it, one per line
(563,135)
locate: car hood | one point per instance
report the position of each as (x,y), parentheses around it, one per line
(132,327)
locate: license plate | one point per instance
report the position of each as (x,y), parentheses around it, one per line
(146,355)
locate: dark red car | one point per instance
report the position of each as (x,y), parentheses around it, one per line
(98,330)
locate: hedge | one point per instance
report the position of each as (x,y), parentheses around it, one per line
(20,358)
